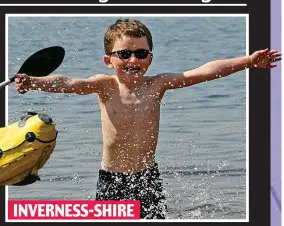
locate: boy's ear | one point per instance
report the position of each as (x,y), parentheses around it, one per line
(107,61)
(151,58)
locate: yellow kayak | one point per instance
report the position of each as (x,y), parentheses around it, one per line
(25,146)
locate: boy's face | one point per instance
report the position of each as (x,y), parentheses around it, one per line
(130,67)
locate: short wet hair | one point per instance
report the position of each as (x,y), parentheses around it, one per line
(128,27)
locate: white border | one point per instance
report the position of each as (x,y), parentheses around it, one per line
(247,122)
(141,15)
(282,117)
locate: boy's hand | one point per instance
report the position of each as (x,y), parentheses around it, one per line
(23,82)
(264,58)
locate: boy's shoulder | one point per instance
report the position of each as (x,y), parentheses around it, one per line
(101,76)
(153,78)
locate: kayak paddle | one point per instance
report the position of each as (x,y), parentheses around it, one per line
(40,64)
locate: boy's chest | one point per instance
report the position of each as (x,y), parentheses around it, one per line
(131,105)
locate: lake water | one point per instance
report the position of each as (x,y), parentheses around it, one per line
(202,143)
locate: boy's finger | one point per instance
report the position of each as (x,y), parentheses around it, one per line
(276,59)
(19,74)
(264,51)
(19,78)
(272,52)
(276,54)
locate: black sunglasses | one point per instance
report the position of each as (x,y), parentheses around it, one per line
(126,54)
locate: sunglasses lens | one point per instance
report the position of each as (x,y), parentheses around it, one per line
(124,54)
(141,54)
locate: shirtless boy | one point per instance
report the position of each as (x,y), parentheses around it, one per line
(130,109)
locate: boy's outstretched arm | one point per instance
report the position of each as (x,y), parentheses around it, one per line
(59,84)
(220,68)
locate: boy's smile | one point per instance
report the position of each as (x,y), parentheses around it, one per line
(134,70)
(130,58)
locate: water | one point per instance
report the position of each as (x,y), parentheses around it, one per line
(202,143)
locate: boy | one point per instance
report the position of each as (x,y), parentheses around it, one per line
(130,109)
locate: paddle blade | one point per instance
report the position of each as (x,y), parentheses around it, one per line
(43,62)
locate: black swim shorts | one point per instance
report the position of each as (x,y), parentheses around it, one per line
(145,186)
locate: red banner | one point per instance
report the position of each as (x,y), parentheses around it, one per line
(73,209)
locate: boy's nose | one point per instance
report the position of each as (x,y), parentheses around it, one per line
(133,58)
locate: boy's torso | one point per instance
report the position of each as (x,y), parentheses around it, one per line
(130,126)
